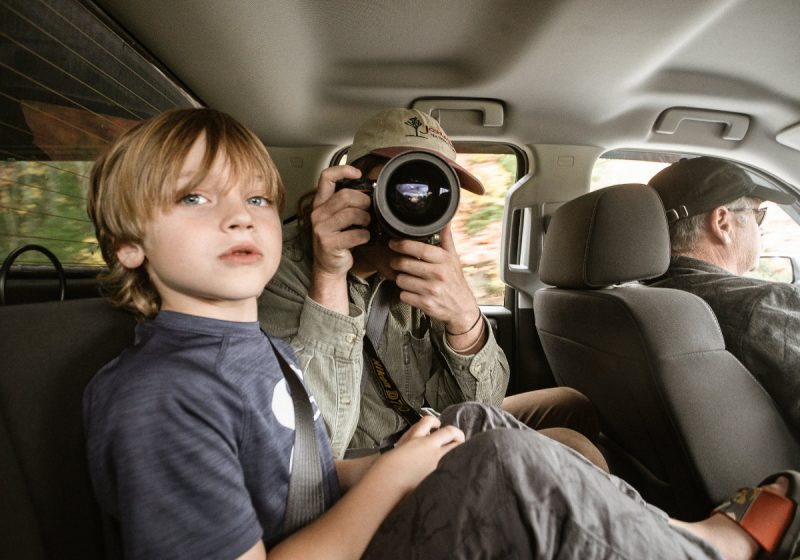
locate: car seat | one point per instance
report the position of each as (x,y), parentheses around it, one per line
(48,353)
(682,419)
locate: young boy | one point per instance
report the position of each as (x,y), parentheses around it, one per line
(191,432)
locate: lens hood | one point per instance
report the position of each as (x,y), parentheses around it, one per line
(416,194)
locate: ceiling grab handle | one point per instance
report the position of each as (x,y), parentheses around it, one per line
(491,110)
(734,129)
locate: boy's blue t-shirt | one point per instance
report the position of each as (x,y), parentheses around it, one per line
(189,436)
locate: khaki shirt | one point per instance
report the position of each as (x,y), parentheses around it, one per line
(329,348)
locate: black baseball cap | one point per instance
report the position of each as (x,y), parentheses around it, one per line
(695,186)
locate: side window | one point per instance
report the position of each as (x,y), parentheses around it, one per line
(780,239)
(477,226)
(69,85)
(780,233)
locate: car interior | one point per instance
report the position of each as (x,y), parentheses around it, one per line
(563,109)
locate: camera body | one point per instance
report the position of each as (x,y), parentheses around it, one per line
(415,195)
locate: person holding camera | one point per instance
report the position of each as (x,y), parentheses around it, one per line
(371,295)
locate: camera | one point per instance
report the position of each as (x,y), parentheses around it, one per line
(415,196)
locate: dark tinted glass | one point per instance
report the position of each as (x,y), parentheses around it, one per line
(69,85)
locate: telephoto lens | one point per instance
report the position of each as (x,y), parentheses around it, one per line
(415,196)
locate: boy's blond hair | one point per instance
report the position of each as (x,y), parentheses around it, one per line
(137,176)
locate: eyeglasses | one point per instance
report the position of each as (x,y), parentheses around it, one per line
(759,212)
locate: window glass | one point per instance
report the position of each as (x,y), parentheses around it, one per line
(780,238)
(478,224)
(69,85)
(780,233)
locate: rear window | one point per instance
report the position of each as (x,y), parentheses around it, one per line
(69,85)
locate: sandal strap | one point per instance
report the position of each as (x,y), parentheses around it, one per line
(763,514)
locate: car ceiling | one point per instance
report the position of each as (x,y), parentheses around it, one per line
(306,73)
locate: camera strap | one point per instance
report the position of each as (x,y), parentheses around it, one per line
(305,500)
(373,365)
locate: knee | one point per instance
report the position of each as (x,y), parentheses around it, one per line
(518,457)
(577,442)
(577,412)
(475,417)
(471,409)
(574,400)
(508,447)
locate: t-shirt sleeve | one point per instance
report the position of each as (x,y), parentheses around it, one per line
(181,490)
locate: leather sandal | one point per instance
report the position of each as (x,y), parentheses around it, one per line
(772,520)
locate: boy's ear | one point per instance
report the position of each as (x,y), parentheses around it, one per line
(130,255)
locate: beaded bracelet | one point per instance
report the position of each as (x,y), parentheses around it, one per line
(469,329)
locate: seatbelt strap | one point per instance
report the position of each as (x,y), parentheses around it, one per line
(373,365)
(306,498)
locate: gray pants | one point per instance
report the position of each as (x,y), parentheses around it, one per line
(513,493)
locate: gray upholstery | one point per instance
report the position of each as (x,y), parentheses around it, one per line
(682,419)
(49,353)
(606,237)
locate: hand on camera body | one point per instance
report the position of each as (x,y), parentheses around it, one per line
(333,236)
(332,220)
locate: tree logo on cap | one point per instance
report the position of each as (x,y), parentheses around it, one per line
(415,123)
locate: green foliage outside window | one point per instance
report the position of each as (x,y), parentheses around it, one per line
(45,203)
(478,225)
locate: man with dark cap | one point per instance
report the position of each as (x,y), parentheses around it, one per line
(712,207)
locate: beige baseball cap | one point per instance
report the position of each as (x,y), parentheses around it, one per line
(396,131)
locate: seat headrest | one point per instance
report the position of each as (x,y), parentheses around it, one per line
(609,236)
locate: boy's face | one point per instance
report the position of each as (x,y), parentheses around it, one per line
(214,250)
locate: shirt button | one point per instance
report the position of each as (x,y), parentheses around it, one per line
(351,338)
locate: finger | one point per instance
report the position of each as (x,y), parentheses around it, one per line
(326,185)
(412,267)
(349,239)
(421,428)
(418,285)
(417,250)
(339,202)
(424,426)
(446,435)
(329,223)
(446,239)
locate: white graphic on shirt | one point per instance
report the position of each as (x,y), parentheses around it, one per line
(282,406)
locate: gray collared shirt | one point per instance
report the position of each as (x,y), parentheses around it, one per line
(329,348)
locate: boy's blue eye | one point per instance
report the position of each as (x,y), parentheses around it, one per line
(194,199)
(259,201)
